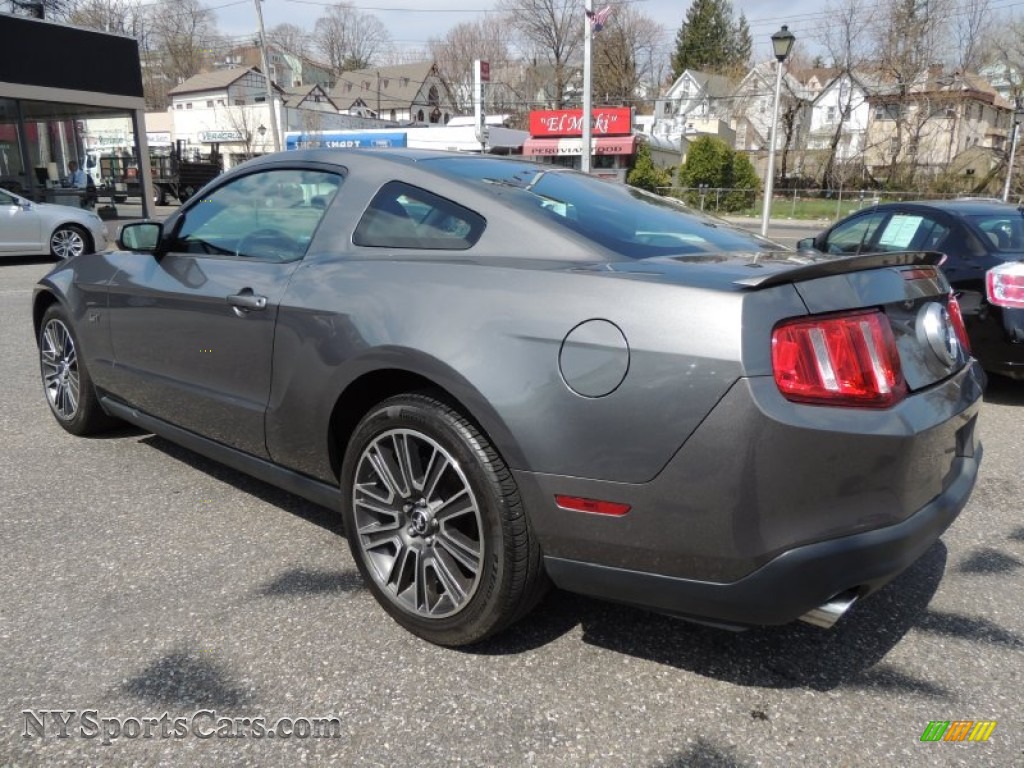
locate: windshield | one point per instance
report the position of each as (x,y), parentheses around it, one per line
(626,220)
(1004,230)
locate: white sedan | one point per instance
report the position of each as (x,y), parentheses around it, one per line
(30,229)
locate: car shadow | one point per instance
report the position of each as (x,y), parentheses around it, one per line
(851,654)
(15,261)
(1004,391)
(328,519)
(795,655)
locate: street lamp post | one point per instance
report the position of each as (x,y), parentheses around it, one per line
(782,44)
(1017,113)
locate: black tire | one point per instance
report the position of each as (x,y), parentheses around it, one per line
(160,196)
(69,240)
(479,519)
(66,382)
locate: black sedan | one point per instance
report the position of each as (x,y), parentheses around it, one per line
(983,240)
(503,374)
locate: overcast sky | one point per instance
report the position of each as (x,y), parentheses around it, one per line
(413,22)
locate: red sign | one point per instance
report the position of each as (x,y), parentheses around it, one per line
(485,71)
(608,121)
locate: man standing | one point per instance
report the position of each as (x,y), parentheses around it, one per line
(76,176)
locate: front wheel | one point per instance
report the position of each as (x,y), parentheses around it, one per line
(435,522)
(68,240)
(66,381)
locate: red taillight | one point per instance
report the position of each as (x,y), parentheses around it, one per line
(595,506)
(1005,285)
(957,318)
(848,359)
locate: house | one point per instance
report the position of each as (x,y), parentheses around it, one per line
(287,69)
(695,97)
(404,93)
(926,126)
(229,107)
(751,107)
(840,114)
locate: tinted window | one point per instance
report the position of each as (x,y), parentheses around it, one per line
(624,219)
(1004,231)
(855,235)
(268,215)
(404,216)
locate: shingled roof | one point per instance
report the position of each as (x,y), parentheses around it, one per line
(218,79)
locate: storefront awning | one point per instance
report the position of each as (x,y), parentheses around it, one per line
(602,145)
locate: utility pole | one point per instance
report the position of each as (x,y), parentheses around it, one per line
(588,40)
(266,74)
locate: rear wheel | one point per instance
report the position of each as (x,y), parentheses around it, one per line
(68,240)
(66,381)
(435,522)
(159,196)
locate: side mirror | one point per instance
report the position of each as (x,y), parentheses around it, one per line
(807,244)
(140,236)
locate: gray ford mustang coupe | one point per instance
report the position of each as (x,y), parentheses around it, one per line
(505,375)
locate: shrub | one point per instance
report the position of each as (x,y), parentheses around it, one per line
(713,162)
(645,174)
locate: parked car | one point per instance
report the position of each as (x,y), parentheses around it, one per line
(976,235)
(34,229)
(502,374)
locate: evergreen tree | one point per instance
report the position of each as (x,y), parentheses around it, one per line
(711,161)
(707,41)
(743,43)
(645,174)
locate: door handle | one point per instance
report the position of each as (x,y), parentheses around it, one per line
(245,301)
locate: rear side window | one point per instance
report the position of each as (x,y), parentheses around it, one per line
(1004,231)
(403,216)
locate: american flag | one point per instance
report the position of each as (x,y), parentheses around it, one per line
(598,18)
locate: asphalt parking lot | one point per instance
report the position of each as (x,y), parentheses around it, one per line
(139,579)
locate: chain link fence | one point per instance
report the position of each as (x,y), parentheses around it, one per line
(810,204)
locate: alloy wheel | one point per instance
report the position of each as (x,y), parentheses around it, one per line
(60,369)
(67,242)
(418,523)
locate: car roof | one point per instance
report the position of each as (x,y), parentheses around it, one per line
(963,207)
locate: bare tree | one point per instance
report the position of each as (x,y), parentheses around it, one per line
(244,121)
(623,56)
(349,39)
(548,31)
(290,38)
(455,53)
(180,40)
(845,36)
(908,35)
(970,34)
(125,17)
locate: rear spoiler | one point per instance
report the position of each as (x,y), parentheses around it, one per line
(825,267)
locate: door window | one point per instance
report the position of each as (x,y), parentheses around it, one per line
(268,216)
(854,236)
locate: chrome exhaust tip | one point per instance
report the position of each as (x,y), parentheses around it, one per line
(829,613)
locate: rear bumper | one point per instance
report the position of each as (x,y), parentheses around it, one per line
(770,508)
(792,583)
